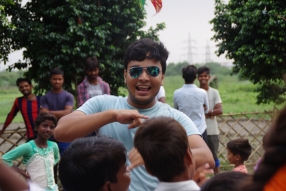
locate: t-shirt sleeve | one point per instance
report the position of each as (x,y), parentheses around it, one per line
(16,153)
(56,153)
(69,100)
(161,93)
(44,102)
(93,105)
(187,123)
(217,97)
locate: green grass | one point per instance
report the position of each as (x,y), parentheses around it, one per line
(7,97)
(237,96)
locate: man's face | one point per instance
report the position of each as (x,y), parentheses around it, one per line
(92,74)
(57,81)
(203,78)
(25,88)
(144,88)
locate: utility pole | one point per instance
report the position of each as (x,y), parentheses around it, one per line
(189,48)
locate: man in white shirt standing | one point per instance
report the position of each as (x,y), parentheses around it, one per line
(192,100)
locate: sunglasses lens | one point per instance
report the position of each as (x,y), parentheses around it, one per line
(153,71)
(135,72)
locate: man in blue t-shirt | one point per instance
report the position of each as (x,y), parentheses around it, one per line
(119,117)
(57,102)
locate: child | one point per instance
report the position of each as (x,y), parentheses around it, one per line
(39,155)
(238,151)
(95,163)
(163,145)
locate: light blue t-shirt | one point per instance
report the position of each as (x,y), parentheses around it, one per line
(140,179)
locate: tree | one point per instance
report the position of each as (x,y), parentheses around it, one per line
(253,34)
(63,33)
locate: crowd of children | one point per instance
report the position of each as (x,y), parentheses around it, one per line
(142,144)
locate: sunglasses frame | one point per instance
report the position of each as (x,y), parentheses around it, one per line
(144,68)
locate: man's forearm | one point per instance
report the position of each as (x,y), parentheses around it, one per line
(78,124)
(203,156)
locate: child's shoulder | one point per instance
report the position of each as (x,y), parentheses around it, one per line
(240,168)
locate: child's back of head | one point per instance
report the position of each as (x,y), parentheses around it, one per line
(163,145)
(94,163)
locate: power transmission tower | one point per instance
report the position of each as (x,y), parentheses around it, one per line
(208,52)
(189,48)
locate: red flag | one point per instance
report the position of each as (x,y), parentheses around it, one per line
(157,4)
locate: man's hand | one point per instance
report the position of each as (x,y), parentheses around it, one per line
(135,159)
(44,110)
(131,117)
(201,173)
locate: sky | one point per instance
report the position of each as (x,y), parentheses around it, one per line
(182,17)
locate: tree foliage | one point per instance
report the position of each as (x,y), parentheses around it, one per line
(63,33)
(253,34)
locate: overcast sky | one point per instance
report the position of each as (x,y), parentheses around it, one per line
(182,17)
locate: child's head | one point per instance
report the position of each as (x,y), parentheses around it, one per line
(43,123)
(225,181)
(163,145)
(238,150)
(94,163)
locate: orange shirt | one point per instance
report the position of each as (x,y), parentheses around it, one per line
(278,181)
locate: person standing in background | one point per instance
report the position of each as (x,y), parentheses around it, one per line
(28,105)
(161,96)
(92,84)
(215,104)
(192,100)
(57,102)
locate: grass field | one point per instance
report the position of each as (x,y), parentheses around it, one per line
(237,96)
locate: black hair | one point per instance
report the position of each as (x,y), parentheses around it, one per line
(56,71)
(90,162)
(146,49)
(240,147)
(163,144)
(189,73)
(91,63)
(45,116)
(19,80)
(203,69)
(226,181)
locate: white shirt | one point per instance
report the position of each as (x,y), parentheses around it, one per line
(188,185)
(161,93)
(191,100)
(214,98)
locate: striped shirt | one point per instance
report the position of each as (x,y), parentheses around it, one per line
(29,110)
(83,93)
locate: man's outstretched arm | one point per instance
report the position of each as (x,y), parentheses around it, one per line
(200,151)
(78,124)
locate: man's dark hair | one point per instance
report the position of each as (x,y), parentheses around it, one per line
(146,49)
(189,73)
(56,71)
(19,80)
(240,147)
(203,69)
(163,144)
(45,116)
(90,162)
(91,63)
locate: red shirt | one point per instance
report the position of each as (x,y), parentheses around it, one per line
(29,110)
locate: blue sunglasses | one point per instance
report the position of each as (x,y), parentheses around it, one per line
(136,71)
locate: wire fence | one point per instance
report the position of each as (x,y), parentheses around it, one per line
(251,125)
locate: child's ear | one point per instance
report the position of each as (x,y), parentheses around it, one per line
(106,186)
(189,157)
